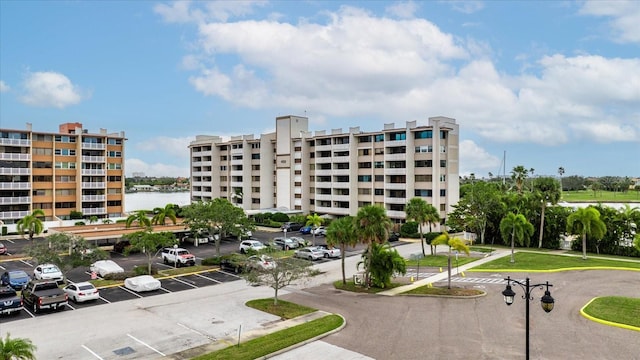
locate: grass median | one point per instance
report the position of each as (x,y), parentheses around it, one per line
(531,262)
(616,309)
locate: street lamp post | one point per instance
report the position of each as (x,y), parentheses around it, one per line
(546,301)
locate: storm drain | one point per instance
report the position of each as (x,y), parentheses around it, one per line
(124,351)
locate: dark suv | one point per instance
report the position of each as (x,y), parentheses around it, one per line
(292,226)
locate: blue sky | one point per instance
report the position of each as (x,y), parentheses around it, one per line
(551,83)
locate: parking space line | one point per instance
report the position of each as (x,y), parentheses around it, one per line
(26,262)
(145,344)
(11,241)
(230,274)
(185,282)
(70,307)
(91,352)
(210,279)
(28,312)
(131,292)
(105,300)
(165,290)
(3,268)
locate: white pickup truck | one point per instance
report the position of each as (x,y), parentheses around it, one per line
(178,257)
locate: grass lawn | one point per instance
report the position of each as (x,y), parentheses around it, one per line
(525,261)
(621,310)
(351,286)
(185,270)
(600,196)
(441,260)
(259,347)
(284,309)
(444,291)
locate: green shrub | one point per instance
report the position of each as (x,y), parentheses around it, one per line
(4,231)
(142,270)
(75,215)
(409,230)
(120,276)
(280,217)
(79,223)
(211,261)
(428,237)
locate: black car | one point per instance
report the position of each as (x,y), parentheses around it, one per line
(393,236)
(292,226)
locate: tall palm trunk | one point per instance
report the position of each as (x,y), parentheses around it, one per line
(544,205)
(449,269)
(343,248)
(513,235)
(584,246)
(421,240)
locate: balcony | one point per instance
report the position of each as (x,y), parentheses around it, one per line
(15,186)
(97,198)
(13,214)
(15,200)
(15,142)
(340,147)
(395,186)
(341,185)
(94,211)
(93,185)
(398,171)
(395,157)
(341,159)
(324,160)
(322,147)
(340,198)
(395,200)
(339,211)
(94,172)
(236,184)
(15,157)
(322,209)
(392,143)
(342,172)
(237,162)
(93,146)
(15,171)
(396,214)
(93,159)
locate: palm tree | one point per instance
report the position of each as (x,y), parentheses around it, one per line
(342,232)
(93,219)
(16,349)
(454,244)
(561,172)
(385,261)
(161,214)
(31,224)
(517,228)
(550,193)
(519,174)
(416,210)
(372,226)
(586,222)
(314,221)
(139,217)
(629,217)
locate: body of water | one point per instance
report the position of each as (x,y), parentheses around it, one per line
(150,200)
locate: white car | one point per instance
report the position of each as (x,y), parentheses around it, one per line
(142,283)
(310,253)
(301,242)
(329,252)
(48,272)
(105,267)
(247,245)
(261,262)
(319,231)
(81,292)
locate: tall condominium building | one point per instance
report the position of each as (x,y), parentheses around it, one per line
(333,172)
(72,170)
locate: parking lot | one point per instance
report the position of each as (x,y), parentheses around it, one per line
(168,285)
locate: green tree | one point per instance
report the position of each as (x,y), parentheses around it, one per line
(636,242)
(453,244)
(629,218)
(342,232)
(314,220)
(372,226)
(517,229)
(285,272)
(149,243)
(17,349)
(31,224)
(384,261)
(586,222)
(139,217)
(93,219)
(160,214)
(549,193)
(519,175)
(417,210)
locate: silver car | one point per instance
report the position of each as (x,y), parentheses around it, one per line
(310,253)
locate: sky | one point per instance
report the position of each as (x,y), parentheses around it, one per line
(542,84)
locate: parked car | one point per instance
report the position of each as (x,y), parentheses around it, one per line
(48,272)
(17,279)
(285,244)
(3,249)
(394,236)
(142,283)
(178,257)
(260,262)
(254,245)
(43,294)
(10,302)
(291,226)
(306,229)
(201,237)
(105,267)
(319,231)
(310,253)
(81,292)
(329,252)
(300,241)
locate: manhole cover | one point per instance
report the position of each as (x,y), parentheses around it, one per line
(124,351)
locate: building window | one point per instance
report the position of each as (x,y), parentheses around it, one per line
(255,167)
(423,192)
(426,134)
(255,145)
(424,178)
(443,192)
(443,134)
(364,165)
(255,201)
(398,136)
(424,149)
(65,139)
(364,191)
(66,152)
(443,177)
(364,203)
(364,139)
(297,196)
(443,149)
(297,161)
(114,166)
(443,163)
(298,172)
(396,164)
(255,156)
(223,179)
(223,158)
(379,138)
(114,154)
(114,141)
(362,152)
(379,151)
(379,192)
(424,163)
(364,178)
(65,165)
(379,178)
(379,164)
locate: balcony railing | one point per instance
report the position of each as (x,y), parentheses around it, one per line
(93,159)
(13,214)
(15,200)
(15,171)
(395,200)
(15,186)
(93,146)
(94,211)
(93,185)
(15,142)
(94,197)
(15,157)
(96,172)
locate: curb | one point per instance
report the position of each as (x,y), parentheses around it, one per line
(605,322)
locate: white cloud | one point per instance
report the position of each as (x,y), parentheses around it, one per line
(50,89)
(466,6)
(476,160)
(183,12)
(4,87)
(625,17)
(157,169)
(404,10)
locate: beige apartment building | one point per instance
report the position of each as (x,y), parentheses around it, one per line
(330,173)
(71,170)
